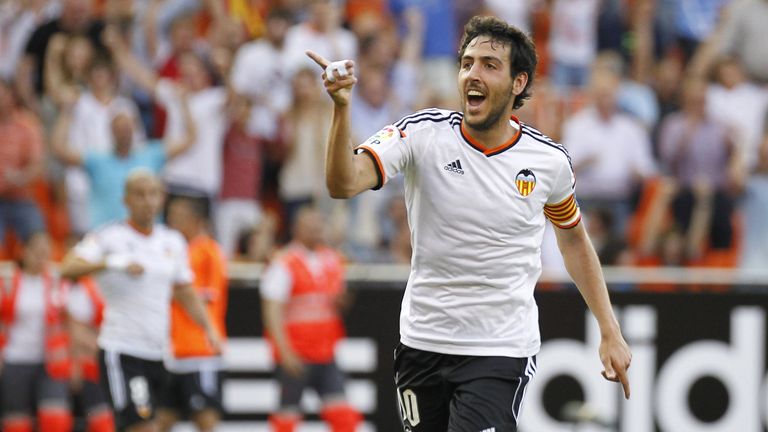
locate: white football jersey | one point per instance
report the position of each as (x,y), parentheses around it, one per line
(477,219)
(137,309)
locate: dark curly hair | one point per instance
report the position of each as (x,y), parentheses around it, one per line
(522,53)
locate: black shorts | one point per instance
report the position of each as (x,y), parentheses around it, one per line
(133,386)
(324,378)
(442,392)
(190,393)
(25,387)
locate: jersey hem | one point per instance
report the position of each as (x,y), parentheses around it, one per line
(470,350)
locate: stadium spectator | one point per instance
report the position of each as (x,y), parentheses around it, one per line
(739,103)
(108,171)
(18,19)
(517,13)
(744,37)
(440,33)
(698,152)
(141,265)
(91,132)
(197,172)
(67,67)
(35,346)
(572,42)
(755,205)
(306,127)
(193,388)
(76,17)
(21,163)
(261,72)
(321,32)
(302,291)
(85,311)
(239,205)
(611,152)
(471,236)
(695,20)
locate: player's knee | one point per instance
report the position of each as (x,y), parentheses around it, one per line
(284,422)
(55,420)
(206,420)
(101,421)
(341,417)
(17,424)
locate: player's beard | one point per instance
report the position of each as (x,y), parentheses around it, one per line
(496,112)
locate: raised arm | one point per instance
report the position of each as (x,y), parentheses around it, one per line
(346,174)
(178,146)
(583,266)
(143,76)
(60,139)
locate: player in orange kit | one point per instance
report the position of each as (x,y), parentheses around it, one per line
(301,293)
(194,387)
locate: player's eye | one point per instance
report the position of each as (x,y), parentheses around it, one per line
(466,65)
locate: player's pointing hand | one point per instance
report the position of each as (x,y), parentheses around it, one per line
(616,357)
(338,77)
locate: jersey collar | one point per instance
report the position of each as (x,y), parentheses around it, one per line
(495,150)
(139,229)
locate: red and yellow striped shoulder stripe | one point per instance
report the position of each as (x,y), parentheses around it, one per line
(564,214)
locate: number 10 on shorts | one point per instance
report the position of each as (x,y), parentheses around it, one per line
(409,407)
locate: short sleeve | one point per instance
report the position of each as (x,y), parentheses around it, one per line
(183,274)
(79,304)
(390,150)
(561,208)
(276,283)
(155,154)
(91,247)
(166,93)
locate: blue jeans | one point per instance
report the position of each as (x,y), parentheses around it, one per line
(22,216)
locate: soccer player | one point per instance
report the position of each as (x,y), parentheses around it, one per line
(301,292)
(194,386)
(479,186)
(141,265)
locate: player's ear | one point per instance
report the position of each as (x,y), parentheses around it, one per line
(519,81)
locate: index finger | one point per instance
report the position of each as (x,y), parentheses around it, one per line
(622,374)
(317,58)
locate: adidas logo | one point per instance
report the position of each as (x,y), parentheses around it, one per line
(454,166)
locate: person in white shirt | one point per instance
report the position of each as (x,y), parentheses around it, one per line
(140,265)
(479,187)
(611,151)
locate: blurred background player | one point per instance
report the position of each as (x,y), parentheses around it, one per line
(34,343)
(302,291)
(194,386)
(85,312)
(141,265)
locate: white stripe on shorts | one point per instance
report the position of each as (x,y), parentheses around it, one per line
(208,382)
(115,379)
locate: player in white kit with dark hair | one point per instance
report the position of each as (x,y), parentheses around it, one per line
(479,187)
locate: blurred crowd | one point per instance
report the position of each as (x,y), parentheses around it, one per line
(662,104)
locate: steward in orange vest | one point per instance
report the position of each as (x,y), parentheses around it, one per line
(301,293)
(34,345)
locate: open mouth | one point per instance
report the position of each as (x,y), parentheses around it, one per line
(475,98)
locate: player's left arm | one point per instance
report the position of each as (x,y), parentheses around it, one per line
(584,268)
(188,298)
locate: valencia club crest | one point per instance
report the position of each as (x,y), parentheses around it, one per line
(525,182)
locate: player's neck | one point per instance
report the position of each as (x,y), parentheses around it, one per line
(493,137)
(142,227)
